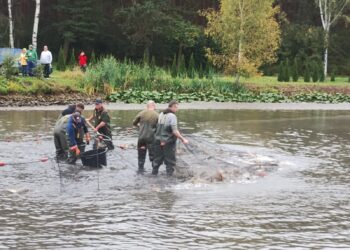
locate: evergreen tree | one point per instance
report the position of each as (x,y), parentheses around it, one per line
(191,67)
(182,66)
(307,72)
(280,76)
(286,71)
(174,67)
(201,73)
(153,61)
(333,76)
(61,62)
(295,73)
(320,71)
(314,71)
(93,58)
(72,61)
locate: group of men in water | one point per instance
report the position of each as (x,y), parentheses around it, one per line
(158,134)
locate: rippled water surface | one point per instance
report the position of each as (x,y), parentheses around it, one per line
(302,202)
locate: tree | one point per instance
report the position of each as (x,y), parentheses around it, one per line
(286,70)
(280,76)
(36,24)
(307,72)
(72,60)
(61,61)
(247,33)
(9,5)
(330,12)
(295,72)
(191,67)
(174,67)
(314,71)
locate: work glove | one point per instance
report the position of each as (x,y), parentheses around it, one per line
(75,149)
(87,138)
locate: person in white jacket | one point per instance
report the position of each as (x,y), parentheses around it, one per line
(46,60)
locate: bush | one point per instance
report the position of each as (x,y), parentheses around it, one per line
(286,70)
(315,71)
(333,76)
(307,72)
(38,71)
(72,60)
(294,70)
(9,67)
(280,76)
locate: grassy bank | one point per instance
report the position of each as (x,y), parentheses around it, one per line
(135,83)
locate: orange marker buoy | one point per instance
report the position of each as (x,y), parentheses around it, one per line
(2,164)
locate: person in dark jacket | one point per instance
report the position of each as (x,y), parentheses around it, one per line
(102,121)
(166,136)
(146,121)
(67,136)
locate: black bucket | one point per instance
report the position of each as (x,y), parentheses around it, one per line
(95,158)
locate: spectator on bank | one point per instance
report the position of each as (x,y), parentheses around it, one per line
(83,61)
(32,59)
(23,62)
(46,60)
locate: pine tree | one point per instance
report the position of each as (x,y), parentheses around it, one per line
(61,63)
(145,59)
(307,72)
(182,66)
(314,70)
(295,73)
(201,73)
(280,76)
(72,61)
(320,71)
(174,67)
(191,67)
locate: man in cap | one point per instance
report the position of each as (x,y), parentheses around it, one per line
(166,136)
(146,121)
(32,59)
(67,136)
(102,121)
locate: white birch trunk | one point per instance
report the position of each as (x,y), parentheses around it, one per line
(12,43)
(330,11)
(36,23)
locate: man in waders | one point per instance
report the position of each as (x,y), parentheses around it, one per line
(165,140)
(67,137)
(146,121)
(101,123)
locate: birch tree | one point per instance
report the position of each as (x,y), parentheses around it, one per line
(330,12)
(36,23)
(9,5)
(247,33)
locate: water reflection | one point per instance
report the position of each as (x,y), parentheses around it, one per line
(303,204)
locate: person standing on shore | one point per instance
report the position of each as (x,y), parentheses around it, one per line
(83,61)
(32,59)
(146,121)
(23,61)
(46,60)
(166,136)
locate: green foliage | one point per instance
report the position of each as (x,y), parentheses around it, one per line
(9,67)
(146,60)
(72,60)
(349,79)
(38,71)
(321,72)
(200,71)
(61,62)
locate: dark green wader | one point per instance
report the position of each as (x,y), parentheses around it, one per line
(72,157)
(164,154)
(142,148)
(61,145)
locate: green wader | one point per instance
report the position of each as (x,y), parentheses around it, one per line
(164,154)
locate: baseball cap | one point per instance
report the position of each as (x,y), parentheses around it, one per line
(98,101)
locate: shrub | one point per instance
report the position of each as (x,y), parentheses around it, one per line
(333,76)
(294,69)
(286,70)
(9,67)
(191,67)
(315,71)
(72,60)
(280,76)
(307,72)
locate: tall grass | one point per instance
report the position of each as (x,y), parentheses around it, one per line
(109,75)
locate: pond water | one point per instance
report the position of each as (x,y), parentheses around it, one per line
(302,201)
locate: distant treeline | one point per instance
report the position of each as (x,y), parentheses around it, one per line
(164,30)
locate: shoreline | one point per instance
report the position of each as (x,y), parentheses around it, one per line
(198,106)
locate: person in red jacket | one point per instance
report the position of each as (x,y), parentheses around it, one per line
(83,61)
